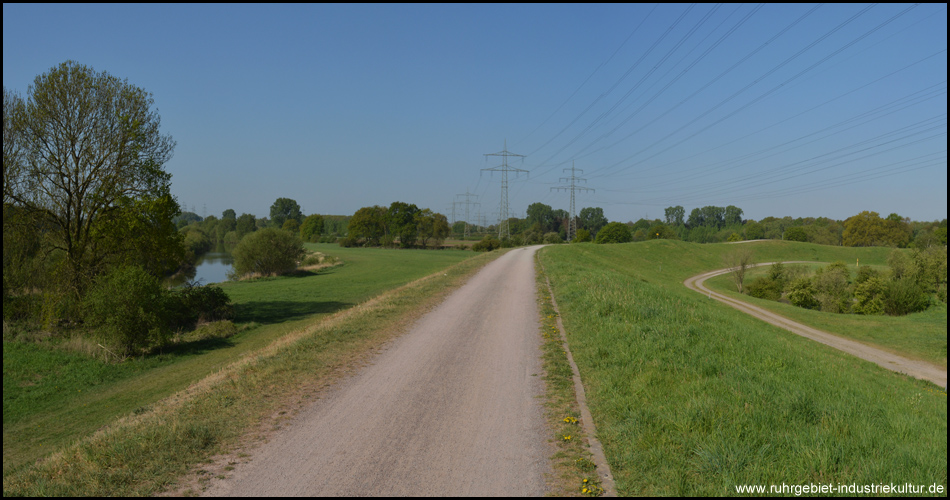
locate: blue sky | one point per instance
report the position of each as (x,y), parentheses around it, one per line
(777,109)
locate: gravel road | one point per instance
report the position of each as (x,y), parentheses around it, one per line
(914,368)
(451,408)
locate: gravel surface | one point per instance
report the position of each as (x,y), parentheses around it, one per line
(914,368)
(451,408)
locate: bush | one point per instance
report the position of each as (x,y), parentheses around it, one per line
(832,289)
(192,305)
(905,296)
(553,238)
(614,232)
(870,295)
(129,309)
(770,286)
(487,244)
(802,293)
(267,252)
(582,236)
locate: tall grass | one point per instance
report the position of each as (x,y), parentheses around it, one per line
(693,398)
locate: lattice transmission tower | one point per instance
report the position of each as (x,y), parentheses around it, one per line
(468,202)
(503,229)
(572,224)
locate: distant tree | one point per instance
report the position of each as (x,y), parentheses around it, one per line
(541,214)
(660,232)
(82,154)
(869,229)
(696,219)
(432,226)
(291,225)
(368,224)
(714,216)
(674,215)
(311,228)
(185,218)
(614,232)
(754,231)
(245,224)
(283,209)
(592,219)
(733,215)
(229,214)
(796,233)
(269,251)
(582,236)
(401,220)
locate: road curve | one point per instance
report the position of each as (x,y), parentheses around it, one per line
(891,361)
(451,408)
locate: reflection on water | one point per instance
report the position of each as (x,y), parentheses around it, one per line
(211,267)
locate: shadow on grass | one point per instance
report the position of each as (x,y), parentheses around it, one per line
(194,347)
(278,311)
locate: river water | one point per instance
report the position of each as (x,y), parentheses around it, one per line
(212,267)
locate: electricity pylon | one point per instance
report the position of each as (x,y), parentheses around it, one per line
(503,229)
(572,225)
(468,202)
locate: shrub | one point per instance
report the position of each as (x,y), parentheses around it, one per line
(802,293)
(832,289)
(614,232)
(905,296)
(268,251)
(770,286)
(582,236)
(191,305)
(553,238)
(487,244)
(870,295)
(129,309)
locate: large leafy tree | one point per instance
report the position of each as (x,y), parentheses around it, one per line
(592,219)
(85,159)
(674,215)
(869,229)
(541,214)
(401,220)
(311,228)
(615,232)
(283,209)
(368,224)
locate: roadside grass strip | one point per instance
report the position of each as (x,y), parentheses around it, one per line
(693,398)
(149,451)
(573,464)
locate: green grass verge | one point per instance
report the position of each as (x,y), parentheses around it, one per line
(574,472)
(692,397)
(52,397)
(920,335)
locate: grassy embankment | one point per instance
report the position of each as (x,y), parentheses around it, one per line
(919,336)
(692,397)
(54,399)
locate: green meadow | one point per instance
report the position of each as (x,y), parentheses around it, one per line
(692,397)
(54,396)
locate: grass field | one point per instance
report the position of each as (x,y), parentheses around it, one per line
(920,335)
(52,397)
(692,397)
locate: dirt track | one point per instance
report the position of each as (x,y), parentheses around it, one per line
(891,361)
(452,408)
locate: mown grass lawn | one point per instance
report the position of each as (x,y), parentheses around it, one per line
(52,397)
(692,397)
